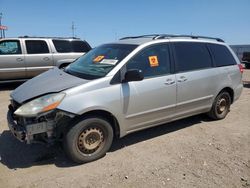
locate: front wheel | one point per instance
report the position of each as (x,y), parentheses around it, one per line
(221,106)
(88,140)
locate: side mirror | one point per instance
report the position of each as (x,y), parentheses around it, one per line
(133,75)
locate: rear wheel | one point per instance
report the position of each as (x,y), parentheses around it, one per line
(88,140)
(221,106)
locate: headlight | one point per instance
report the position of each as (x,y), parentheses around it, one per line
(39,105)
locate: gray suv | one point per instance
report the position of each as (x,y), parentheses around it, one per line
(123,87)
(25,57)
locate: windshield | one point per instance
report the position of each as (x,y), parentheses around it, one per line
(99,61)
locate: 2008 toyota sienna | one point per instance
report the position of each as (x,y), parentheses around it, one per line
(125,86)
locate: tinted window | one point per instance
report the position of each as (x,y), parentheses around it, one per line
(66,46)
(191,56)
(246,56)
(36,47)
(10,47)
(222,55)
(153,61)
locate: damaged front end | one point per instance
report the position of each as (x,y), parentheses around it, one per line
(46,127)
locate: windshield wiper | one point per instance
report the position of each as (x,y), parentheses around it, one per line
(102,65)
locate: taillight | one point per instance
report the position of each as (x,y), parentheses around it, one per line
(241,68)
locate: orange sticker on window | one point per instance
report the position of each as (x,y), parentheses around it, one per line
(98,58)
(153,60)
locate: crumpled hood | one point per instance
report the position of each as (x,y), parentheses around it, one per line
(54,80)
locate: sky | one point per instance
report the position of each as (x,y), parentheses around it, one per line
(103,21)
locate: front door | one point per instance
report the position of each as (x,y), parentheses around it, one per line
(150,101)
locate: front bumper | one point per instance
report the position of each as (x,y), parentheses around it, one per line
(17,131)
(28,133)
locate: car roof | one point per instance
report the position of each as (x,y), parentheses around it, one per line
(33,38)
(138,40)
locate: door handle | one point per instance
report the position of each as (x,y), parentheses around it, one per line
(169,82)
(182,79)
(19,59)
(46,59)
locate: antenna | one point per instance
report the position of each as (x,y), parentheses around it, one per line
(2,27)
(2,31)
(73,28)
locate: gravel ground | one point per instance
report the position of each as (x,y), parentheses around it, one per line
(193,152)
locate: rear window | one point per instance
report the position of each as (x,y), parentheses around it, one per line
(36,47)
(222,55)
(191,56)
(66,46)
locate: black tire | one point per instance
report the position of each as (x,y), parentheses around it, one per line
(88,140)
(221,106)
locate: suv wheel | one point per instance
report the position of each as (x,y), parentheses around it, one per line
(88,140)
(221,106)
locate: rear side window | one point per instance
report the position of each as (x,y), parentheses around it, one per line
(66,46)
(222,55)
(36,47)
(191,56)
(10,47)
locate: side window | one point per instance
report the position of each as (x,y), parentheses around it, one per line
(66,46)
(153,61)
(36,47)
(222,55)
(62,46)
(10,47)
(191,56)
(80,46)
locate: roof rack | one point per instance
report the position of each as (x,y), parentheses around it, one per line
(163,36)
(48,37)
(140,36)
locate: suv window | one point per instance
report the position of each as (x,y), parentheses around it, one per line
(66,46)
(10,47)
(246,56)
(222,55)
(153,61)
(191,56)
(36,47)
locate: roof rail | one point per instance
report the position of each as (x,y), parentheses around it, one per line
(187,36)
(140,36)
(48,37)
(163,36)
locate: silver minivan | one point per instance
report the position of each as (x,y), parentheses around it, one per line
(126,86)
(25,57)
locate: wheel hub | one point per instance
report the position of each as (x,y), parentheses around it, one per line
(222,103)
(90,140)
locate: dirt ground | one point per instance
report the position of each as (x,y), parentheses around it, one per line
(194,152)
